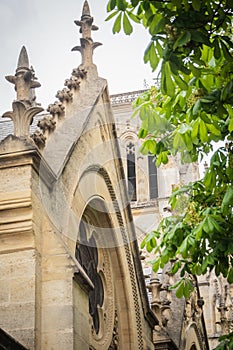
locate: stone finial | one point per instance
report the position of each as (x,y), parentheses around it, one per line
(24,80)
(87,45)
(25,107)
(23,60)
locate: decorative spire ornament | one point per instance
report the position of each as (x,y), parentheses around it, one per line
(24,79)
(25,107)
(87,45)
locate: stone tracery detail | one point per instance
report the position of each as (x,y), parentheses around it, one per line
(115,335)
(223,302)
(87,255)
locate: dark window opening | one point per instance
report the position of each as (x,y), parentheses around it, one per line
(131,172)
(87,255)
(153,177)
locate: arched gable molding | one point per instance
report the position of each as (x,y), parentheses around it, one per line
(118,223)
(128,136)
(193,337)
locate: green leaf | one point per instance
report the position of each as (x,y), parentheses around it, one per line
(188,142)
(142,133)
(226,52)
(111,15)
(183,39)
(208,224)
(230,275)
(175,267)
(184,248)
(196,71)
(180,82)
(151,56)
(167,84)
(149,146)
(184,128)
(175,285)
(227,91)
(203,131)
(155,266)
(196,4)
(194,133)
(143,243)
(134,18)
(122,5)
(117,25)
(147,52)
(134,2)
(197,107)
(227,200)
(198,231)
(157,24)
(213,129)
(230,126)
(149,248)
(178,142)
(217,52)
(153,242)
(111,5)
(128,29)
(210,180)
(180,291)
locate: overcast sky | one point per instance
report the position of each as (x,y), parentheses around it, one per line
(47,29)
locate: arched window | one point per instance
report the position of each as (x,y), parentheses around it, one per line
(87,255)
(193,347)
(131,172)
(153,177)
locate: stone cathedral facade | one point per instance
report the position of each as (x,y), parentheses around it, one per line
(76,196)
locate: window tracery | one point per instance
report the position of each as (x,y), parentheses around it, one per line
(153,177)
(131,172)
(87,255)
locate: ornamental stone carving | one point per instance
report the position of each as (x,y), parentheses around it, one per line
(87,45)
(80,73)
(64,95)
(25,107)
(47,124)
(24,79)
(56,108)
(22,117)
(115,335)
(72,83)
(39,139)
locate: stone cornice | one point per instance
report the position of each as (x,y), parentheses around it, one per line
(15,152)
(127,97)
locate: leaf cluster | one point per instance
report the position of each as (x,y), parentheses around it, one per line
(191,46)
(200,237)
(226,342)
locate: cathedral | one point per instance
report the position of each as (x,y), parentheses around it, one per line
(77,197)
